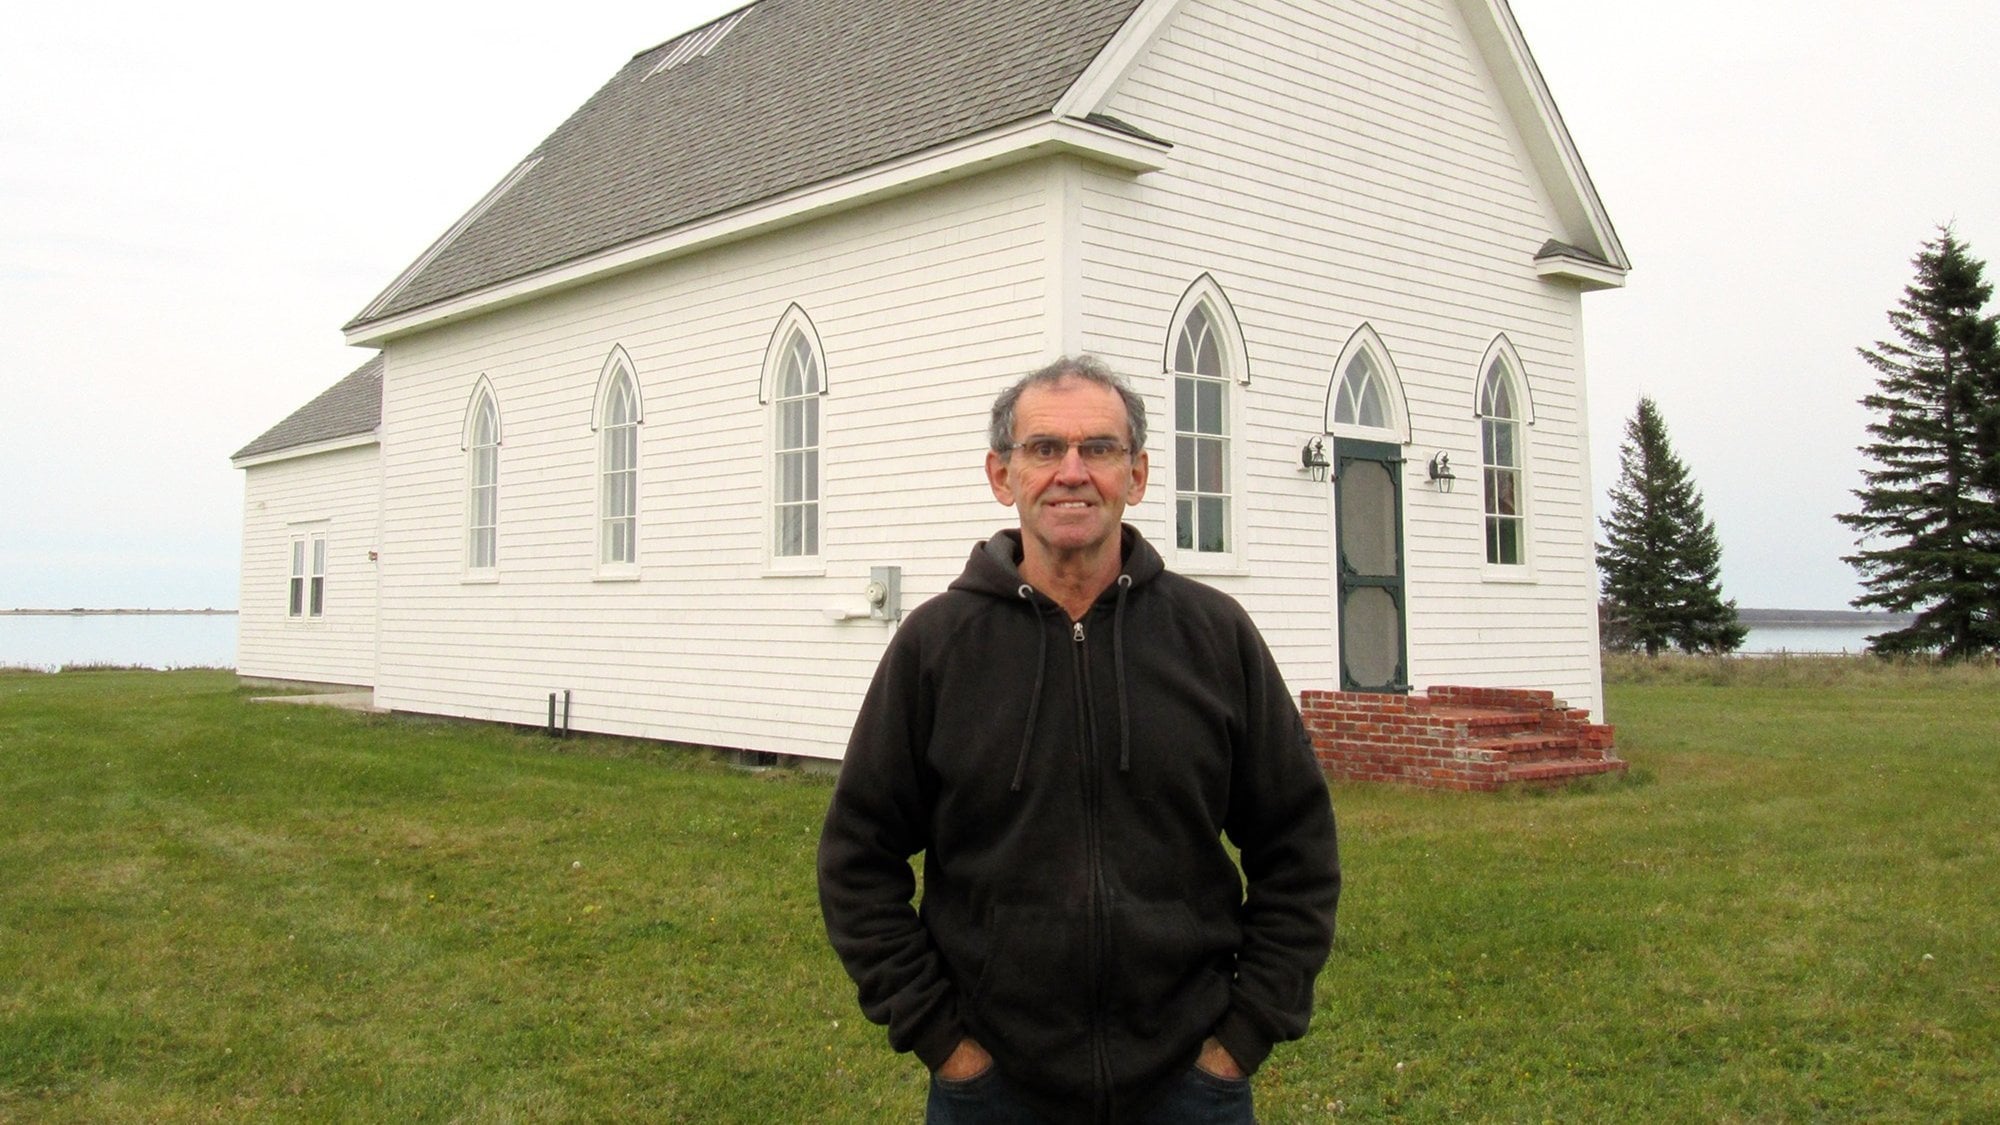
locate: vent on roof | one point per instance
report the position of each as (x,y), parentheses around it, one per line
(698,43)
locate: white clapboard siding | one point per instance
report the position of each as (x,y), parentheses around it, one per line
(334,494)
(925,306)
(1338,164)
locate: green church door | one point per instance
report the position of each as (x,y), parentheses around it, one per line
(1368,524)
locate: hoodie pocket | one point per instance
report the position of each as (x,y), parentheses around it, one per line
(1034,993)
(1165,974)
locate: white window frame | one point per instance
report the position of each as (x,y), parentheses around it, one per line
(305,584)
(618,370)
(1501,358)
(794,334)
(482,474)
(1232,378)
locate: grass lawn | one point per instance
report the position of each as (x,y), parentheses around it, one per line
(217,910)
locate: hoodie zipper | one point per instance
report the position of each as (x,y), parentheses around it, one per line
(1094,857)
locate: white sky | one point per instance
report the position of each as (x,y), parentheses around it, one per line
(193,199)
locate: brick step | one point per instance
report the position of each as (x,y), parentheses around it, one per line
(1486,721)
(1457,738)
(1538,747)
(1560,771)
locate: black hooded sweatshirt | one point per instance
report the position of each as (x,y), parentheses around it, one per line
(1069,784)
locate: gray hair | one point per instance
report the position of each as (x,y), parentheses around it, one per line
(1000,434)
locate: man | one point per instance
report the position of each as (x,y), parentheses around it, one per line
(1066,733)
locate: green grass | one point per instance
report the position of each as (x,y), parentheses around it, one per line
(218,910)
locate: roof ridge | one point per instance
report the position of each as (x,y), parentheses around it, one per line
(671,40)
(699,42)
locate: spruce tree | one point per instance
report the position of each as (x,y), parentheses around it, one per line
(1661,563)
(1929,522)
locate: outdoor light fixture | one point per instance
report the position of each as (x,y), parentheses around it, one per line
(1313,458)
(1440,470)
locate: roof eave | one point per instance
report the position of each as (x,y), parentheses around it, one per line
(1034,138)
(326,445)
(1584,274)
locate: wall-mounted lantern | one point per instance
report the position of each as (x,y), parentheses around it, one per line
(1442,478)
(1312,458)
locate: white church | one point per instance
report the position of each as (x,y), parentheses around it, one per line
(676,422)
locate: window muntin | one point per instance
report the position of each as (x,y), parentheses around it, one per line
(618,487)
(482,474)
(1201,437)
(1361,400)
(795,511)
(1503,467)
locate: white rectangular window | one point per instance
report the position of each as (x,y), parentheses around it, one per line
(1201,464)
(305,593)
(620,502)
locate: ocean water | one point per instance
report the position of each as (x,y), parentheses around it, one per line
(1802,639)
(139,640)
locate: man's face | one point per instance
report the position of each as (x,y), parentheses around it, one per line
(1070,507)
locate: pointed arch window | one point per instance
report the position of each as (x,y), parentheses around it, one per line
(618,418)
(1201,437)
(1503,461)
(1205,361)
(1364,394)
(482,482)
(795,381)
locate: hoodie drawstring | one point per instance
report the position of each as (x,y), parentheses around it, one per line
(1027,594)
(1118,664)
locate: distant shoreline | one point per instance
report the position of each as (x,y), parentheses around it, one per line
(1828,617)
(117,613)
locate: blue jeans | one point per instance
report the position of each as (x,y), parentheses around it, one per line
(1195,1098)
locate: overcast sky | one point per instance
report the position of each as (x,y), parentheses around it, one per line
(193,199)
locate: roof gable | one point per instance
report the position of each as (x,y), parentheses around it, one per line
(1587,233)
(789,94)
(349,408)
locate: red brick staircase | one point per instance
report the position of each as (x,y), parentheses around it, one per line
(1457,738)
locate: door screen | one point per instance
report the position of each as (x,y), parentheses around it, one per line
(1368,509)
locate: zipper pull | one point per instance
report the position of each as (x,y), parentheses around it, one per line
(1076,631)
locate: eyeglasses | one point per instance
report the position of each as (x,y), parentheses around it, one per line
(1043,452)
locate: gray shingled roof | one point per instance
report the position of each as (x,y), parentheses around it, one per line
(797,93)
(349,407)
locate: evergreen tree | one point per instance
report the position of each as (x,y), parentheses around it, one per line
(1929,522)
(1661,562)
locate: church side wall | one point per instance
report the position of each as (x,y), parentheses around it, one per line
(925,306)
